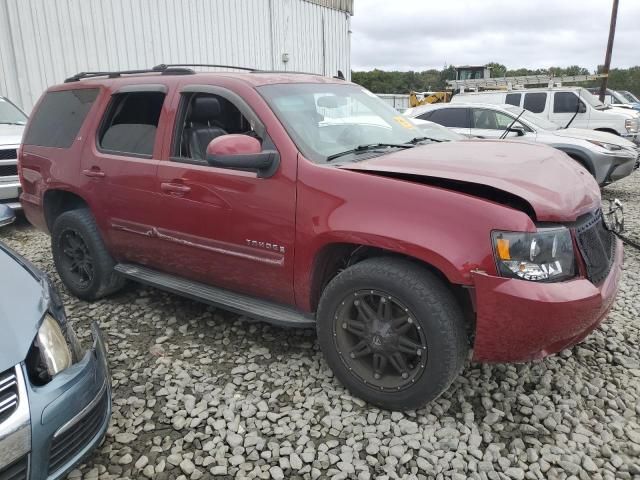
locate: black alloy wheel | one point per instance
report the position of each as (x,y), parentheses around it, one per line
(379,341)
(76,258)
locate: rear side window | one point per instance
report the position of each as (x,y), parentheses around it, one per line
(130,124)
(513,99)
(59,117)
(425,116)
(535,102)
(565,102)
(451,117)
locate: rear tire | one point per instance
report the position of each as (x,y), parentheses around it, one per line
(381,308)
(81,258)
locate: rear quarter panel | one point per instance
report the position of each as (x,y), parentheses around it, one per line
(42,169)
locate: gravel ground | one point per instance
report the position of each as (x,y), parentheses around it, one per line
(202,393)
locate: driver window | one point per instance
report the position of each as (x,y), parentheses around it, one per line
(203,117)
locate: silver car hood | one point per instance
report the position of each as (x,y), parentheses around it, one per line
(584,134)
(11,134)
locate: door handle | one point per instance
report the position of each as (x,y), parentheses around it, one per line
(174,188)
(93,172)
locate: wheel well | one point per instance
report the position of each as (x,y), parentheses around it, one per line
(56,202)
(608,130)
(334,258)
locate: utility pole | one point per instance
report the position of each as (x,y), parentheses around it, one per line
(607,58)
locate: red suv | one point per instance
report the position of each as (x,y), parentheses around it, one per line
(306,201)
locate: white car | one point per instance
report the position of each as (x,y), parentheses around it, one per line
(12,122)
(606,156)
(564,105)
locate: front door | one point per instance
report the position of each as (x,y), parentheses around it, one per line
(222,226)
(120,171)
(487,123)
(564,108)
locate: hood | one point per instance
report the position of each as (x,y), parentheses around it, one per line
(11,134)
(595,135)
(555,187)
(23,302)
(618,110)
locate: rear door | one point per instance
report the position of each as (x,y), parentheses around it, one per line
(536,102)
(222,226)
(120,171)
(456,119)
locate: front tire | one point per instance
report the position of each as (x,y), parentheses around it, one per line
(392,332)
(81,258)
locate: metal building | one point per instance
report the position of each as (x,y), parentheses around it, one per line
(42,42)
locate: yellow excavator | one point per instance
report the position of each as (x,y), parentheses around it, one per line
(423,98)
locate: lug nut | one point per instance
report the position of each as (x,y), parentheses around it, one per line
(405,375)
(409,320)
(344,325)
(352,355)
(376,375)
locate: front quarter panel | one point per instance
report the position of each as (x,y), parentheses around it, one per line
(448,230)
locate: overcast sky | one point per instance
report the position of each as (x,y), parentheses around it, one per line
(422,34)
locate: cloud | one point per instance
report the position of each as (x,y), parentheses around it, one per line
(421,34)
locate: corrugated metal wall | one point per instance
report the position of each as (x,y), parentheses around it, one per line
(42,42)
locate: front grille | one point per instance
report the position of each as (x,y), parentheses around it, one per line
(18,470)
(71,442)
(8,154)
(8,394)
(597,245)
(8,170)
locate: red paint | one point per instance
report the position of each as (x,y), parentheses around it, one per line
(262,236)
(234,144)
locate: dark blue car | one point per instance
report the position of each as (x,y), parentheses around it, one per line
(55,394)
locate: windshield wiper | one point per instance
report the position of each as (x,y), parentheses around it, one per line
(12,123)
(367,147)
(422,139)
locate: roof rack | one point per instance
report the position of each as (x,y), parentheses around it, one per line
(162,69)
(511,82)
(164,66)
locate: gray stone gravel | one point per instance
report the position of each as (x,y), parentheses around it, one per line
(203,393)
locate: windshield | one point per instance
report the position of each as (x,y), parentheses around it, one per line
(325,120)
(629,96)
(437,132)
(536,121)
(10,114)
(591,99)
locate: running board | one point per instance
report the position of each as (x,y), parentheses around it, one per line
(252,307)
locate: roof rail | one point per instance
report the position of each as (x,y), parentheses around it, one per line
(162,69)
(164,66)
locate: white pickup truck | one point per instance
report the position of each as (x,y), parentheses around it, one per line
(12,122)
(562,104)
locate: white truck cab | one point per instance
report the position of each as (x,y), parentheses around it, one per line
(560,104)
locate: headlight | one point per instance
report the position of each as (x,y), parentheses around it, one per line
(612,147)
(631,124)
(53,353)
(545,256)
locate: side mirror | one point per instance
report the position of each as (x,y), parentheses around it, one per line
(242,152)
(582,108)
(7,216)
(518,130)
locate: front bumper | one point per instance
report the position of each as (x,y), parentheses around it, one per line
(517,320)
(10,192)
(70,414)
(620,167)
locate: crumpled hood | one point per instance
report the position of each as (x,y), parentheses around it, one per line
(595,135)
(23,302)
(11,134)
(555,186)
